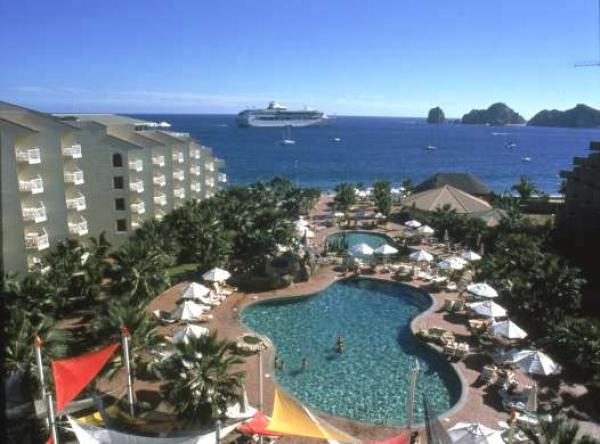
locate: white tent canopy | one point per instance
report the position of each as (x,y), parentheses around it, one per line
(470,255)
(425,229)
(508,329)
(195,291)
(361,249)
(216,275)
(188,311)
(412,223)
(386,249)
(474,433)
(533,361)
(452,263)
(488,308)
(379,216)
(339,214)
(482,289)
(189,331)
(421,256)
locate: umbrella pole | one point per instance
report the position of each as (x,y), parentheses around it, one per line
(125,345)
(260,386)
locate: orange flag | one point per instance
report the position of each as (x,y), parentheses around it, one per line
(72,375)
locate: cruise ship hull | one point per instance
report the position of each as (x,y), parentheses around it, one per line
(278,116)
(258,123)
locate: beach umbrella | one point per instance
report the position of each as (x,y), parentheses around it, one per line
(361,249)
(474,433)
(482,289)
(339,214)
(189,331)
(216,275)
(385,249)
(452,263)
(309,234)
(195,291)
(302,223)
(508,329)
(470,256)
(363,214)
(533,361)
(188,311)
(421,256)
(379,216)
(488,308)
(425,229)
(412,223)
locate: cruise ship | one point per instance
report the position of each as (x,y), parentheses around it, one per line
(276,115)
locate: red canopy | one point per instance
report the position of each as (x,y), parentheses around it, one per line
(257,426)
(403,438)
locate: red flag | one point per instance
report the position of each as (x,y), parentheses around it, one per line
(50,441)
(72,375)
(257,426)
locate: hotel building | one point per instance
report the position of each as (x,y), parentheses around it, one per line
(84,174)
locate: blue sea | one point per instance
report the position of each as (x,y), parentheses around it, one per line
(391,148)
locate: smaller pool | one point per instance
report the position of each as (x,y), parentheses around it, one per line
(344,240)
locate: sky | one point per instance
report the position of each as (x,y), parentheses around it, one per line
(345,57)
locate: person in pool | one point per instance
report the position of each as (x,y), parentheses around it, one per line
(304,363)
(340,344)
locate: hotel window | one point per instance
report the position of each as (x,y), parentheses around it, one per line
(118,183)
(120,204)
(117,160)
(121,225)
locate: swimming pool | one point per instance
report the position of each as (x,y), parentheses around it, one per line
(369,381)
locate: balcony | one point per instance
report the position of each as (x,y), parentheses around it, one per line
(33,186)
(136,165)
(195,187)
(73,151)
(31,156)
(159,180)
(158,215)
(135,224)
(75,177)
(179,175)
(210,182)
(222,177)
(35,214)
(138,208)
(79,228)
(137,186)
(37,240)
(76,203)
(158,161)
(178,157)
(210,166)
(195,170)
(195,154)
(160,200)
(179,193)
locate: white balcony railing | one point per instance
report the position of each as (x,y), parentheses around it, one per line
(210,166)
(136,165)
(159,161)
(135,224)
(160,199)
(137,186)
(178,157)
(195,187)
(210,182)
(37,240)
(179,193)
(158,215)
(75,177)
(35,214)
(222,177)
(195,153)
(178,175)
(31,156)
(138,208)
(79,228)
(195,170)
(76,203)
(33,186)
(73,151)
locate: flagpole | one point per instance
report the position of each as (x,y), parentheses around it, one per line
(125,344)
(46,395)
(51,417)
(38,359)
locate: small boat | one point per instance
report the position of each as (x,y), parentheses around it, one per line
(430,147)
(526,159)
(287,140)
(336,139)
(510,144)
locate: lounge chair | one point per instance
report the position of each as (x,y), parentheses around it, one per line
(449,305)
(163,316)
(488,375)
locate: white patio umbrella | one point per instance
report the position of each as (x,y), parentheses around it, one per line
(470,256)
(482,289)
(533,361)
(188,311)
(302,223)
(309,234)
(385,249)
(452,263)
(361,249)
(420,256)
(474,433)
(425,229)
(216,275)
(488,308)
(508,329)
(189,331)
(379,216)
(195,291)
(339,214)
(413,223)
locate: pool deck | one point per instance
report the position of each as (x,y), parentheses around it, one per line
(476,403)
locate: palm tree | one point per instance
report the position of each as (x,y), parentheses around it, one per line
(344,196)
(383,197)
(525,188)
(201,380)
(558,431)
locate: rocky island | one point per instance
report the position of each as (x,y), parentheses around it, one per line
(496,114)
(436,115)
(582,116)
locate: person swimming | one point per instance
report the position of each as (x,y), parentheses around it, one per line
(278,363)
(304,363)
(340,344)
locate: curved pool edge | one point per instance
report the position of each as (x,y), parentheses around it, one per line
(464,391)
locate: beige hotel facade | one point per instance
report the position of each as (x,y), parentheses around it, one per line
(79,175)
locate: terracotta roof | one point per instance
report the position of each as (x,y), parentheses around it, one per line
(458,200)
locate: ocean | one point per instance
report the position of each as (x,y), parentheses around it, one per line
(390,148)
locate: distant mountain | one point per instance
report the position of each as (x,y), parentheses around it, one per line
(582,116)
(436,115)
(496,114)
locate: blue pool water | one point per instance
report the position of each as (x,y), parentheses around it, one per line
(373,240)
(369,381)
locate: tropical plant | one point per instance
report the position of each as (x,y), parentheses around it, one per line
(558,431)
(407,185)
(201,380)
(525,188)
(383,197)
(344,196)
